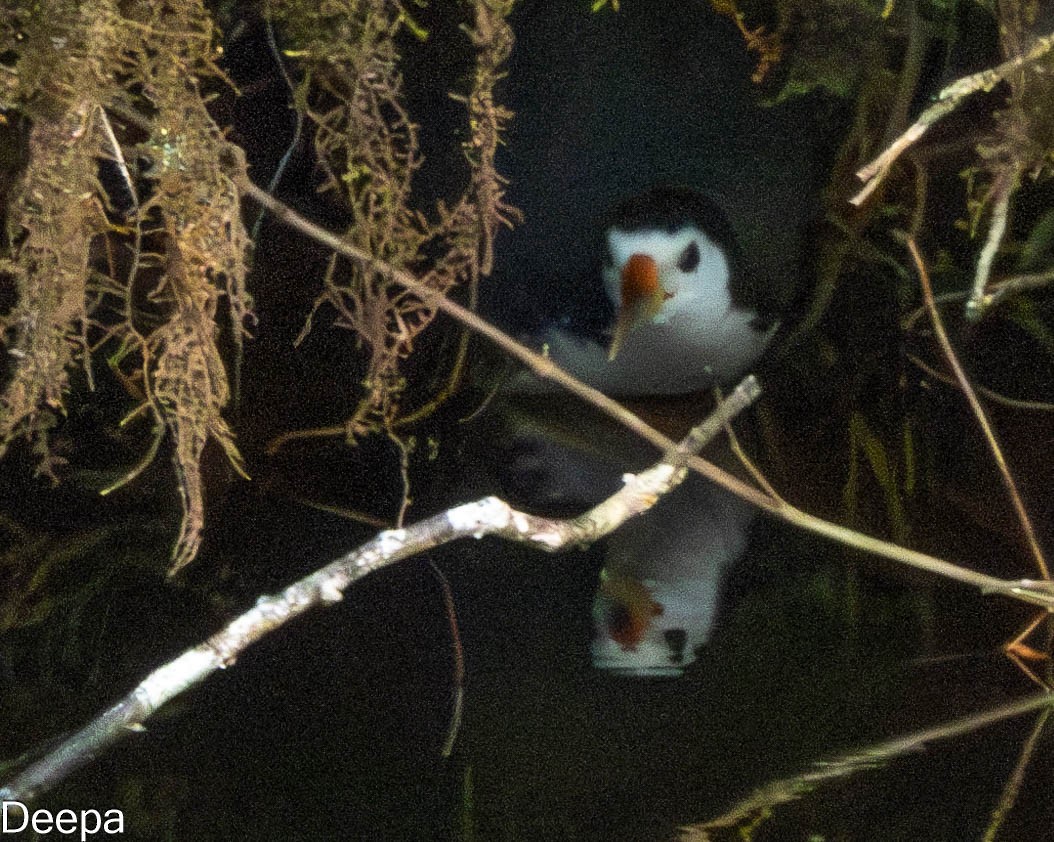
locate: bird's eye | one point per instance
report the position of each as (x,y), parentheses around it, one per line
(689,259)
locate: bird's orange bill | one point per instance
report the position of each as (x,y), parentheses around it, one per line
(642,298)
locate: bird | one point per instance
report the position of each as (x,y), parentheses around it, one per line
(659,254)
(676,281)
(683,316)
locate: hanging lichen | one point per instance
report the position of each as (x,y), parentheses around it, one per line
(148,63)
(367,146)
(148,270)
(56,212)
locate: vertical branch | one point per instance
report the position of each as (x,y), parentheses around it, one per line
(978,410)
(1002,190)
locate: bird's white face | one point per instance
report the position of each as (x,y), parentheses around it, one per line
(693,271)
(677,328)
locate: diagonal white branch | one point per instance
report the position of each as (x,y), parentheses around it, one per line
(326,586)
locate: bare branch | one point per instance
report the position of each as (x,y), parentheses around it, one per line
(978,410)
(326,586)
(947,101)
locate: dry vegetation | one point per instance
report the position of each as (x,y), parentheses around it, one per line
(149,270)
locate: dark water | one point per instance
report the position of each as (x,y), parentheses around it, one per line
(334,728)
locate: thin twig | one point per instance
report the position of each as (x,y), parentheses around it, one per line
(117,156)
(1002,190)
(1027,590)
(947,101)
(979,413)
(458,677)
(990,394)
(1013,786)
(747,462)
(298,126)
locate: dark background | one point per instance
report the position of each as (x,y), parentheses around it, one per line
(333,728)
